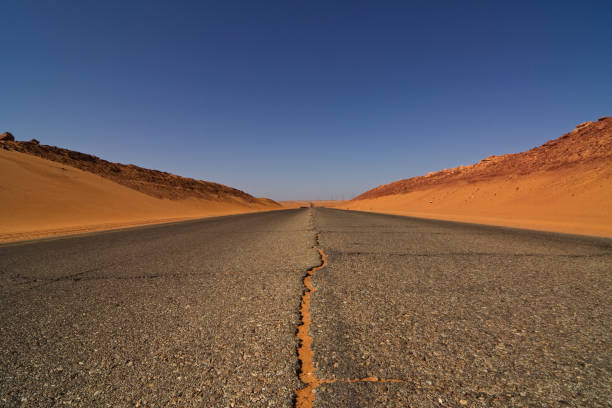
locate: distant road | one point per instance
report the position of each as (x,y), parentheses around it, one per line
(407,312)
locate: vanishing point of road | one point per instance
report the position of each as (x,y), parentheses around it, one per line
(309,307)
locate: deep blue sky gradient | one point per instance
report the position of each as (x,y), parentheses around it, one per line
(302,100)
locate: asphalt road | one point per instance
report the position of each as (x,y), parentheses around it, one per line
(407,312)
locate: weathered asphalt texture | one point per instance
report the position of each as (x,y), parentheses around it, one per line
(194,314)
(205,314)
(464,315)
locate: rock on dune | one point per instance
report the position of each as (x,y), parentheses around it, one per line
(7,137)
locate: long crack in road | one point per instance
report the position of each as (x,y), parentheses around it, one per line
(305,396)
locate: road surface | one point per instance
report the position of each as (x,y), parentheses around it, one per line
(405,312)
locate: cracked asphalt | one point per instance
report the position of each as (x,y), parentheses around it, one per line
(464,315)
(195,314)
(204,313)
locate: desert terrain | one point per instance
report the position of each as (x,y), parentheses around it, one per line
(148,258)
(310,306)
(48,191)
(564,185)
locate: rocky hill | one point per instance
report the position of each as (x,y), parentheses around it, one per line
(155,183)
(590,143)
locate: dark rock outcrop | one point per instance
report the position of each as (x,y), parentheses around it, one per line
(7,137)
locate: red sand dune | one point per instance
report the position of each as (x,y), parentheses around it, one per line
(155,183)
(564,185)
(47,191)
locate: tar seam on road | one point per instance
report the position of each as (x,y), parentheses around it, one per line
(304,397)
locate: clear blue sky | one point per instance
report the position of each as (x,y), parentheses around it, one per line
(302,100)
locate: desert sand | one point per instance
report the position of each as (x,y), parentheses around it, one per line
(564,185)
(42,198)
(155,183)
